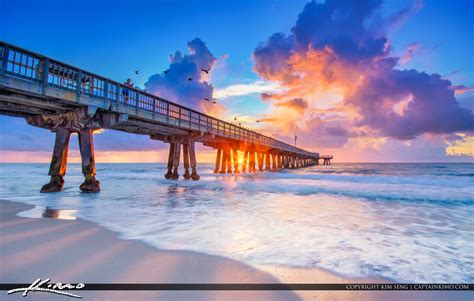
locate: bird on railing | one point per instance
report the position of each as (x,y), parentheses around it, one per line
(206,70)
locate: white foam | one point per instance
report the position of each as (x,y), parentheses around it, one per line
(408,226)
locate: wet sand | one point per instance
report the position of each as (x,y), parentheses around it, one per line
(80,251)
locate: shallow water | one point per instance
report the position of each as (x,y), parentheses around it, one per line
(407,222)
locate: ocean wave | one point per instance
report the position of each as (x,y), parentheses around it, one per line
(402,224)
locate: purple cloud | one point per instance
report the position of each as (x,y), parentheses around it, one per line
(184,81)
(298,104)
(343,44)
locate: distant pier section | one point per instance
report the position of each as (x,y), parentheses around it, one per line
(64,99)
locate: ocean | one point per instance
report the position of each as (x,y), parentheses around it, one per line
(405,222)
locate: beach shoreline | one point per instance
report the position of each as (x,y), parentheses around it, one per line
(81,251)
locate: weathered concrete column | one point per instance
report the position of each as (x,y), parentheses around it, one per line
(169,173)
(260,161)
(280,161)
(192,158)
(246,158)
(176,155)
(224,161)
(57,169)
(186,174)
(267,161)
(86,147)
(252,161)
(229,159)
(235,157)
(218,160)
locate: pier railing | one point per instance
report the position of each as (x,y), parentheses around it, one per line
(31,66)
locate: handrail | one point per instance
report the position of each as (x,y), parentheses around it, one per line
(36,67)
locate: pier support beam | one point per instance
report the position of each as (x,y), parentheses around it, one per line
(57,169)
(176,155)
(267,161)
(186,174)
(260,161)
(229,159)
(224,162)
(252,161)
(218,160)
(192,158)
(235,157)
(86,146)
(169,173)
(246,158)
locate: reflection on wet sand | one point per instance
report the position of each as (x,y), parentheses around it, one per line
(59,214)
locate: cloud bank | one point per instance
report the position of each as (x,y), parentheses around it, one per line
(343,46)
(184,81)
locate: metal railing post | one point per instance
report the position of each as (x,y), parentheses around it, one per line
(5,54)
(45,75)
(45,72)
(79,84)
(106,89)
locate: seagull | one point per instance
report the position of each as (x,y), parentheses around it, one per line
(235,118)
(206,70)
(214,101)
(136,72)
(190,78)
(166,71)
(206,99)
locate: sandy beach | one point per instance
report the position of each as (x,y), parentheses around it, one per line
(80,251)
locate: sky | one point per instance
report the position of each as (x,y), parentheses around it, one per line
(366,81)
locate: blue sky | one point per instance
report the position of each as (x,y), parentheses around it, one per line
(114,38)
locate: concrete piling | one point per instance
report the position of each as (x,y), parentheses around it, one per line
(169,173)
(57,169)
(218,160)
(235,157)
(86,146)
(192,158)
(186,174)
(176,155)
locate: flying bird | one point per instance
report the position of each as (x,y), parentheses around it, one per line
(166,71)
(190,78)
(206,99)
(136,72)
(206,70)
